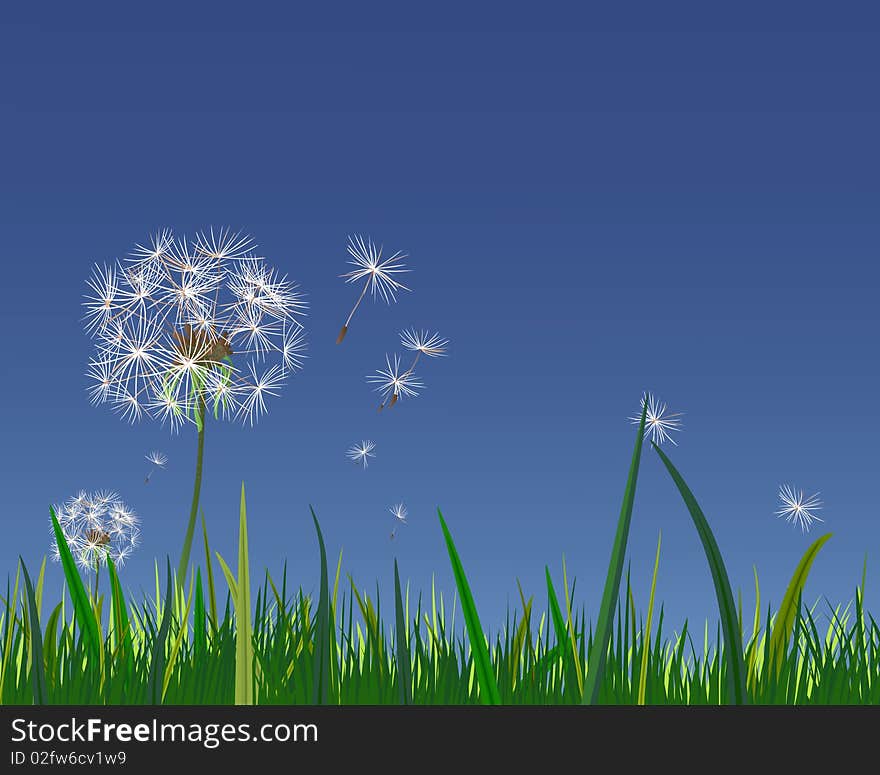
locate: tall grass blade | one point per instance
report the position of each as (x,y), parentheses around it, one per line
(321,684)
(736,673)
(38,672)
(788,611)
(646,635)
(85,614)
(157,663)
(404,669)
(604,624)
(489,694)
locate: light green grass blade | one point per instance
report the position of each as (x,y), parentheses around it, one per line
(38,673)
(85,614)
(736,673)
(489,694)
(788,611)
(244,647)
(404,668)
(576,661)
(646,635)
(178,640)
(321,685)
(604,624)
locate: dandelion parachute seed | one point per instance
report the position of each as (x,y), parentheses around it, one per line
(158,460)
(392,383)
(378,274)
(798,508)
(359,453)
(659,423)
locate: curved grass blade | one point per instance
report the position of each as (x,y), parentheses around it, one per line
(404,669)
(85,614)
(38,672)
(736,672)
(321,685)
(599,652)
(121,622)
(785,618)
(483,664)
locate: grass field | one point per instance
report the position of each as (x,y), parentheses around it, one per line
(224,637)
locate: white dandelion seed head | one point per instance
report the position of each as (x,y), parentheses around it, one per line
(399,511)
(96,526)
(392,381)
(423,342)
(380,273)
(798,508)
(660,423)
(183,323)
(360,453)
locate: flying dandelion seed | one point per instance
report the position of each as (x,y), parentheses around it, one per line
(158,460)
(659,424)
(180,329)
(377,273)
(421,343)
(393,384)
(359,453)
(798,508)
(97,527)
(400,513)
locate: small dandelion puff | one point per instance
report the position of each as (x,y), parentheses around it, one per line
(157,460)
(393,383)
(659,423)
(423,343)
(798,508)
(377,273)
(96,527)
(359,453)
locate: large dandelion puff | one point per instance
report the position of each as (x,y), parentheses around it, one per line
(97,527)
(377,273)
(660,423)
(798,508)
(185,328)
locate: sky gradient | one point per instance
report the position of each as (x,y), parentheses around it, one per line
(593,207)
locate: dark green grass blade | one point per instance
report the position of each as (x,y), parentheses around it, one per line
(736,675)
(482,662)
(85,614)
(120,612)
(157,662)
(38,672)
(404,671)
(604,624)
(563,639)
(788,611)
(200,623)
(321,685)
(209,568)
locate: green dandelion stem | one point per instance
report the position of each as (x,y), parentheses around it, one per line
(197,488)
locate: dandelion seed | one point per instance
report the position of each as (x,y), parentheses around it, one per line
(158,460)
(422,343)
(400,513)
(359,453)
(659,424)
(393,384)
(377,273)
(798,508)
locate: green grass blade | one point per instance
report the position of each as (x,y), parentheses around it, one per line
(788,611)
(120,612)
(485,673)
(646,635)
(212,596)
(604,624)
(321,684)
(562,637)
(85,614)
(38,672)
(200,623)
(244,646)
(157,663)
(404,669)
(736,675)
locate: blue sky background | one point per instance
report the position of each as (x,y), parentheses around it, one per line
(593,206)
